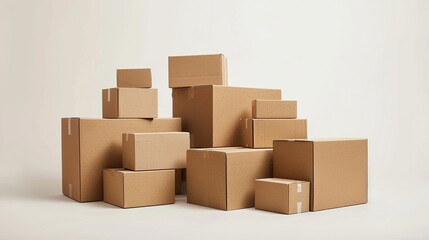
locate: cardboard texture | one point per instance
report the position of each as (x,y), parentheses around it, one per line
(197,70)
(130,103)
(134,78)
(337,169)
(152,151)
(260,133)
(211,114)
(224,178)
(91,145)
(128,189)
(282,195)
(274,109)
(178,180)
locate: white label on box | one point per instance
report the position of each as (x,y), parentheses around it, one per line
(299,187)
(69,126)
(298,207)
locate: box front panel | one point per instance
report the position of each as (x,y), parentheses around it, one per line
(138,103)
(70,154)
(134,78)
(113,187)
(271,196)
(267,130)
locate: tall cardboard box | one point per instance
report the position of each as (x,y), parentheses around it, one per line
(128,189)
(224,178)
(130,103)
(260,133)
(274,109)
(197,70)
(337,169)
(134,78)
(211,114)
(91,145)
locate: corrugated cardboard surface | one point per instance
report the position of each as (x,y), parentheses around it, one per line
(151,151)
(274,109)
(337,169)
(95,144)
(138,78)
(113,186)
(197,70)
(211,114)
(130,103)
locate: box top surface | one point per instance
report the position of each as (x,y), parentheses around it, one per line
(158,133)
(127,172)
(280,180)
(120,119)
(197,55)
(315,140)
(230,149)
(133,69)
(273,100)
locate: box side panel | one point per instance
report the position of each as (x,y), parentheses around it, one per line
(110,103)
(299,197)
(138,103)
(267,130)
(70,155)
(134,78)
(285,109)
(113,187)
(128,151)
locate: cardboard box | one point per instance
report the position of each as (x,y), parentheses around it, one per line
(224,178)
(260,133)
(211,114)
(152,151)
(337,169)
(126,189)
(197,70)
(134,78)
(91,145)
(274,109)
(178,189)
(130,103)
(282,195)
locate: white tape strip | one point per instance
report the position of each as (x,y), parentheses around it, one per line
(69,126)
(108,95)
(70,190)
(298,207)
(299,187)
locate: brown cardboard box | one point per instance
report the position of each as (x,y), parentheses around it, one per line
(91,145)
(128,189)
(337,169)
(152,151)
(282,195)
(178,181)
(134,78)
(197,70)
(211,114)
(274,109)
(260,133)
(224,178)
(130,103)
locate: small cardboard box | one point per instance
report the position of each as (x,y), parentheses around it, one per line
(197,70)
(260,133)
(128,189)
(274,109)
(337,169)
(134,78)
(130,103)
(211,114)
(91,145)
(224,178)
(282,195)
(152,151)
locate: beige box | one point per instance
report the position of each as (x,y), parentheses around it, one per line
(152,151)
(91,145)
(130,103)
(224,178)
(211,114)
(337,169)
(134,78)
(274,109)
(282,195)
(197,70)
(260,133)
(128,189)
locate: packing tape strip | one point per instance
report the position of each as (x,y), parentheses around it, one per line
(108,95)
(298,207)
(69,126)
(299,187)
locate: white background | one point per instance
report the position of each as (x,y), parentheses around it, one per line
(357,69)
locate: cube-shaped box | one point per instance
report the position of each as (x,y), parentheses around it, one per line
(134,78)
(224,178)
(151,151)
(282,195)
(130,103)
(274,109)
(337,169)
(124,188)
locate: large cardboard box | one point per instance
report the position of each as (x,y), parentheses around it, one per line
(274,109)
(134,78)
(337,169)
(126,189)
(130,103)
(91,145)
(260,133)
(224,178)
(151,151)
(282,195)
(197,70)
(211,114)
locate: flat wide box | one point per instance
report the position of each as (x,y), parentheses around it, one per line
(130,103)
(260,133)
(134,78)
(126,189)
(91,145)
(274,109)
(337,169)
(152,151)
(224,178)
(211,114)
(197,70)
